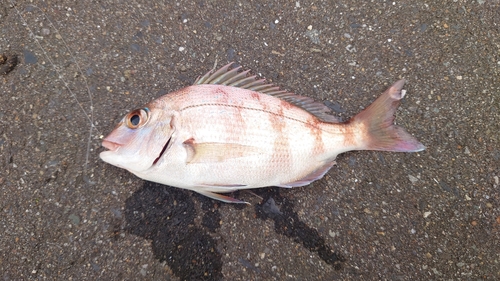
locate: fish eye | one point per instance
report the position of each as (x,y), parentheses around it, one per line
(137,118)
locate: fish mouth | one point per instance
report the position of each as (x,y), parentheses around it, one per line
(111,146)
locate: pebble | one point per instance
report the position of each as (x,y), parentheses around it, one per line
(181,49)
(313,34)
(350,48)
(74,219)
(467,151)
(412,179)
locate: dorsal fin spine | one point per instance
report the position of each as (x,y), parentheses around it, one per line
(234,78)
(242,82)
(238,77)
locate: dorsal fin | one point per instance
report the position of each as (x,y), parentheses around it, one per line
(235,78)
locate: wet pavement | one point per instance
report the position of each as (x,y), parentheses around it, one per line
(432,215)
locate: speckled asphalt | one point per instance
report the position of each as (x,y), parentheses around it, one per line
(432,215)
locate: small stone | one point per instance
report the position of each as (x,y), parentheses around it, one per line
(489,205)
(428,255)
(498,219)
(467,151)
(58,36)
(459,77)
(412,179)
(74,219)
(262,255)
(426,214)
(310,27)
(473,223)
(181,49)
(467,197)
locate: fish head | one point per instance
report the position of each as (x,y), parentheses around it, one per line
(139,140)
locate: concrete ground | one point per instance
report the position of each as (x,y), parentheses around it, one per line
(432,215)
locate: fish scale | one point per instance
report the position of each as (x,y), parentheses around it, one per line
(230,131)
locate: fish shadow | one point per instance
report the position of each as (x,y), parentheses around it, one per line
(166,216)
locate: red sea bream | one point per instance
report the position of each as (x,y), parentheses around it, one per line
(229,131)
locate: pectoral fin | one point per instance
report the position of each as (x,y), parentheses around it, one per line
(216,152)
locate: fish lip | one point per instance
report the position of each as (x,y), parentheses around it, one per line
(111,146)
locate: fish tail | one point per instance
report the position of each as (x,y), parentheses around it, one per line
(376,126)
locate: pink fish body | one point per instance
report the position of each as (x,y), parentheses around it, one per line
(230,132)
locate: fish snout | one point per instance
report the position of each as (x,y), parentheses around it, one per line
(111,146)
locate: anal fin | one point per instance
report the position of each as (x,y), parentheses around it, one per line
(314,175)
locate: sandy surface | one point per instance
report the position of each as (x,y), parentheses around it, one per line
(432,215)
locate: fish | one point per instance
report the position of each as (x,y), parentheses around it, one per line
(231,130)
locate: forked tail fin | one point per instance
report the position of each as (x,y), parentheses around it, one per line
(375,123)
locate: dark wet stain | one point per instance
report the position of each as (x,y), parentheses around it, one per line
(166,216)
(287,223)
(29,57)
(7,63)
